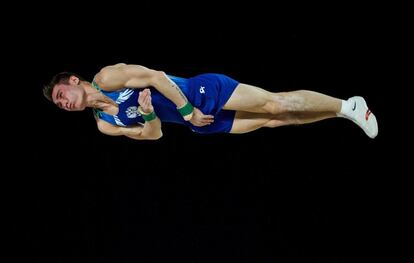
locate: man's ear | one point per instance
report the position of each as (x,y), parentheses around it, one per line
(74,80)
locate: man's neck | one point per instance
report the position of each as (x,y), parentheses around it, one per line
(95,98)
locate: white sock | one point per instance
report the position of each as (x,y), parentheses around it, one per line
(346,109)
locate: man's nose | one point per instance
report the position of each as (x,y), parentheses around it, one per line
(64,102)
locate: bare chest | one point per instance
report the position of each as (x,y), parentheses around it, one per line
(108,106)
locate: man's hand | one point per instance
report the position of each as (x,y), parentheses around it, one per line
(145,101)
(199,119)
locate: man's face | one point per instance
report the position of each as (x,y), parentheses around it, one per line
(70,96)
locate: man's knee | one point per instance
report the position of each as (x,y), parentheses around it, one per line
(275,104)
(283,102)
(273,124)
(282,119)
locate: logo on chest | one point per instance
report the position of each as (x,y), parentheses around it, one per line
(132,112)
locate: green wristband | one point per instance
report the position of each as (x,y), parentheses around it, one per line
(186,109)
(149,117)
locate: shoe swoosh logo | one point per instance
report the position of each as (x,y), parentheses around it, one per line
(367,114)
(353,108)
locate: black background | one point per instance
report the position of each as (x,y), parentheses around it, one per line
(299,193)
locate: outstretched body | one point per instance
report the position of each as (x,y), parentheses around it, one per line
(133,100)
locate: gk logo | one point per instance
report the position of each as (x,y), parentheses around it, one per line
(202,90)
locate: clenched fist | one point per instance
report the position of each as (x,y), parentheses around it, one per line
(145,101)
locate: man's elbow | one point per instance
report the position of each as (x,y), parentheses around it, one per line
(157,76)
(153,136)
(156,136)
(149,137)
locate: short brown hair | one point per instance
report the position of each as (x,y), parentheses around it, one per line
(62,77)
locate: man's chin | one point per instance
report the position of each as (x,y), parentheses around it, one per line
(76,109)
(79,108)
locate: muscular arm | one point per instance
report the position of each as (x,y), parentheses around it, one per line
(148,131)
(121,75)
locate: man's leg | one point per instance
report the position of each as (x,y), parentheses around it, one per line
(253,99)
(248,121)
(302,106)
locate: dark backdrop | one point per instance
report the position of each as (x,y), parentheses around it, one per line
(299,193)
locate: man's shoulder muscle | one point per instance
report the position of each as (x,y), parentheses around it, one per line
(106,76)
(116,76)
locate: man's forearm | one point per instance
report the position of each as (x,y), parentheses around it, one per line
(170,90)
(150,130)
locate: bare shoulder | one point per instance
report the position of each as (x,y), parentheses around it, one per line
(106,71)
(116,76)
(112,67)
(120,75)
(119,67)
(110,78)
